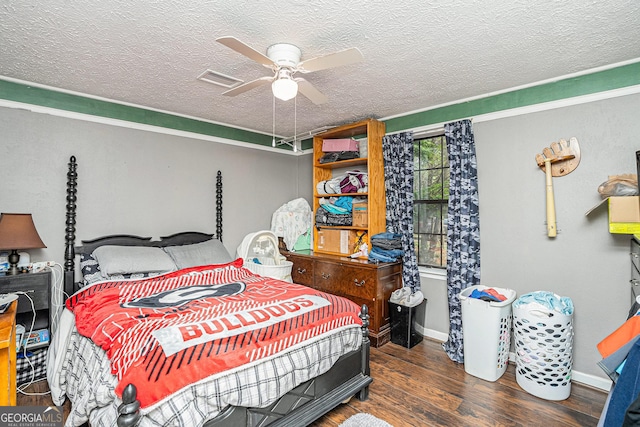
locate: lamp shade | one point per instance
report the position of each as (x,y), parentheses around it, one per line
(284,88)
(17,231)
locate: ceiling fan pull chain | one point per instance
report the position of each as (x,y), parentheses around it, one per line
(295,124)
(273,124)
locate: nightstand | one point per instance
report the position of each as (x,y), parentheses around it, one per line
(8,356)
(40,284)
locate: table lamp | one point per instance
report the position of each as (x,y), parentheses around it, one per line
(17,231)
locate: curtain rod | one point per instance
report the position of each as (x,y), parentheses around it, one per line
(423,131)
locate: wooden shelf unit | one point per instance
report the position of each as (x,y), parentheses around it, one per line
(373,164)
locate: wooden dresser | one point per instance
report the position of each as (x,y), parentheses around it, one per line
(356,279)
(8,356)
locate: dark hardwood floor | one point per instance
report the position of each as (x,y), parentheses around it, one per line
(422,387)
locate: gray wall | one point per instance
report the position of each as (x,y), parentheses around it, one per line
(133,181)
(584,262)
(146,183)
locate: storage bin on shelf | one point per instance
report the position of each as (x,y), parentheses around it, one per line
(543,337)
(486,330)
(262,256)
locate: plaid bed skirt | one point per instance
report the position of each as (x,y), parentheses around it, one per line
(34,371)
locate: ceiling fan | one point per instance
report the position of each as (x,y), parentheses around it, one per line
(284,60)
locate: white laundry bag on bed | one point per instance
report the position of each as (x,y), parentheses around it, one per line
(261,255)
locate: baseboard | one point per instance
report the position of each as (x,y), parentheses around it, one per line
(576,376)
(591,380)
(431,333)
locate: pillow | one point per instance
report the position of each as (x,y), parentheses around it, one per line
(91,272)
(204,253)
(132,259)
(90,269)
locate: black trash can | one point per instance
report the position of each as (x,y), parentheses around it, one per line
(403,324)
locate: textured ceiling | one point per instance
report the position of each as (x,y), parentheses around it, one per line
(417,53)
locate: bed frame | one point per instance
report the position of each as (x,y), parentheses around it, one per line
(301,406)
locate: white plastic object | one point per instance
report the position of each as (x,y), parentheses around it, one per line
(261,256)
(486,330)
(544,351)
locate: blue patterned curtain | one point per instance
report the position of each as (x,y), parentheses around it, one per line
(463,228)
(397,151)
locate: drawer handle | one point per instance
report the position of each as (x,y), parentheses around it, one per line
(326,276)
(302,270)
(355,281)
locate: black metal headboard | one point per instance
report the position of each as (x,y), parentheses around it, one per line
(88,246)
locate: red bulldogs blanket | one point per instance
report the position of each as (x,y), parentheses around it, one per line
(166,332)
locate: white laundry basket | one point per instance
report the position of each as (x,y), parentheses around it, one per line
(261,255)
(486,330)
(544,351)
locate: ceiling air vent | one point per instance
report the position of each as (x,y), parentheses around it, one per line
(219,79)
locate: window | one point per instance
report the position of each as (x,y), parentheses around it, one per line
(431,196)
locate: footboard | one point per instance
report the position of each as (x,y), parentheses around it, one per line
(301,406)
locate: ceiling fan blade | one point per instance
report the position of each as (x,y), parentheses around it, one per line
(246,50)
(308,90)
(337,59)
(244,87)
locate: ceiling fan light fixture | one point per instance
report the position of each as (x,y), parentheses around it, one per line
(284,60)
(284,88)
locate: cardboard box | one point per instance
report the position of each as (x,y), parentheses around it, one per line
(624,214)
(337,241)
(340,144)
(360,214)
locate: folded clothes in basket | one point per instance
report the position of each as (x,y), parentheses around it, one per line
(546,300)
(488,294)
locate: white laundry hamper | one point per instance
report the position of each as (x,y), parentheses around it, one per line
(261,256)
(486,331)
(544,351)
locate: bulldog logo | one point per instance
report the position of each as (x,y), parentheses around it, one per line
(181,296)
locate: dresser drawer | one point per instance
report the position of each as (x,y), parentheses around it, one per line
(635,255)
(635,290)
(302,270)
(36,285)
(635,283)
(346,280)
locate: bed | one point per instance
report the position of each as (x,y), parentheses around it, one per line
(310,354)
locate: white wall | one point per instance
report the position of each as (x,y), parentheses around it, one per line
(584,262)
(133,181)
